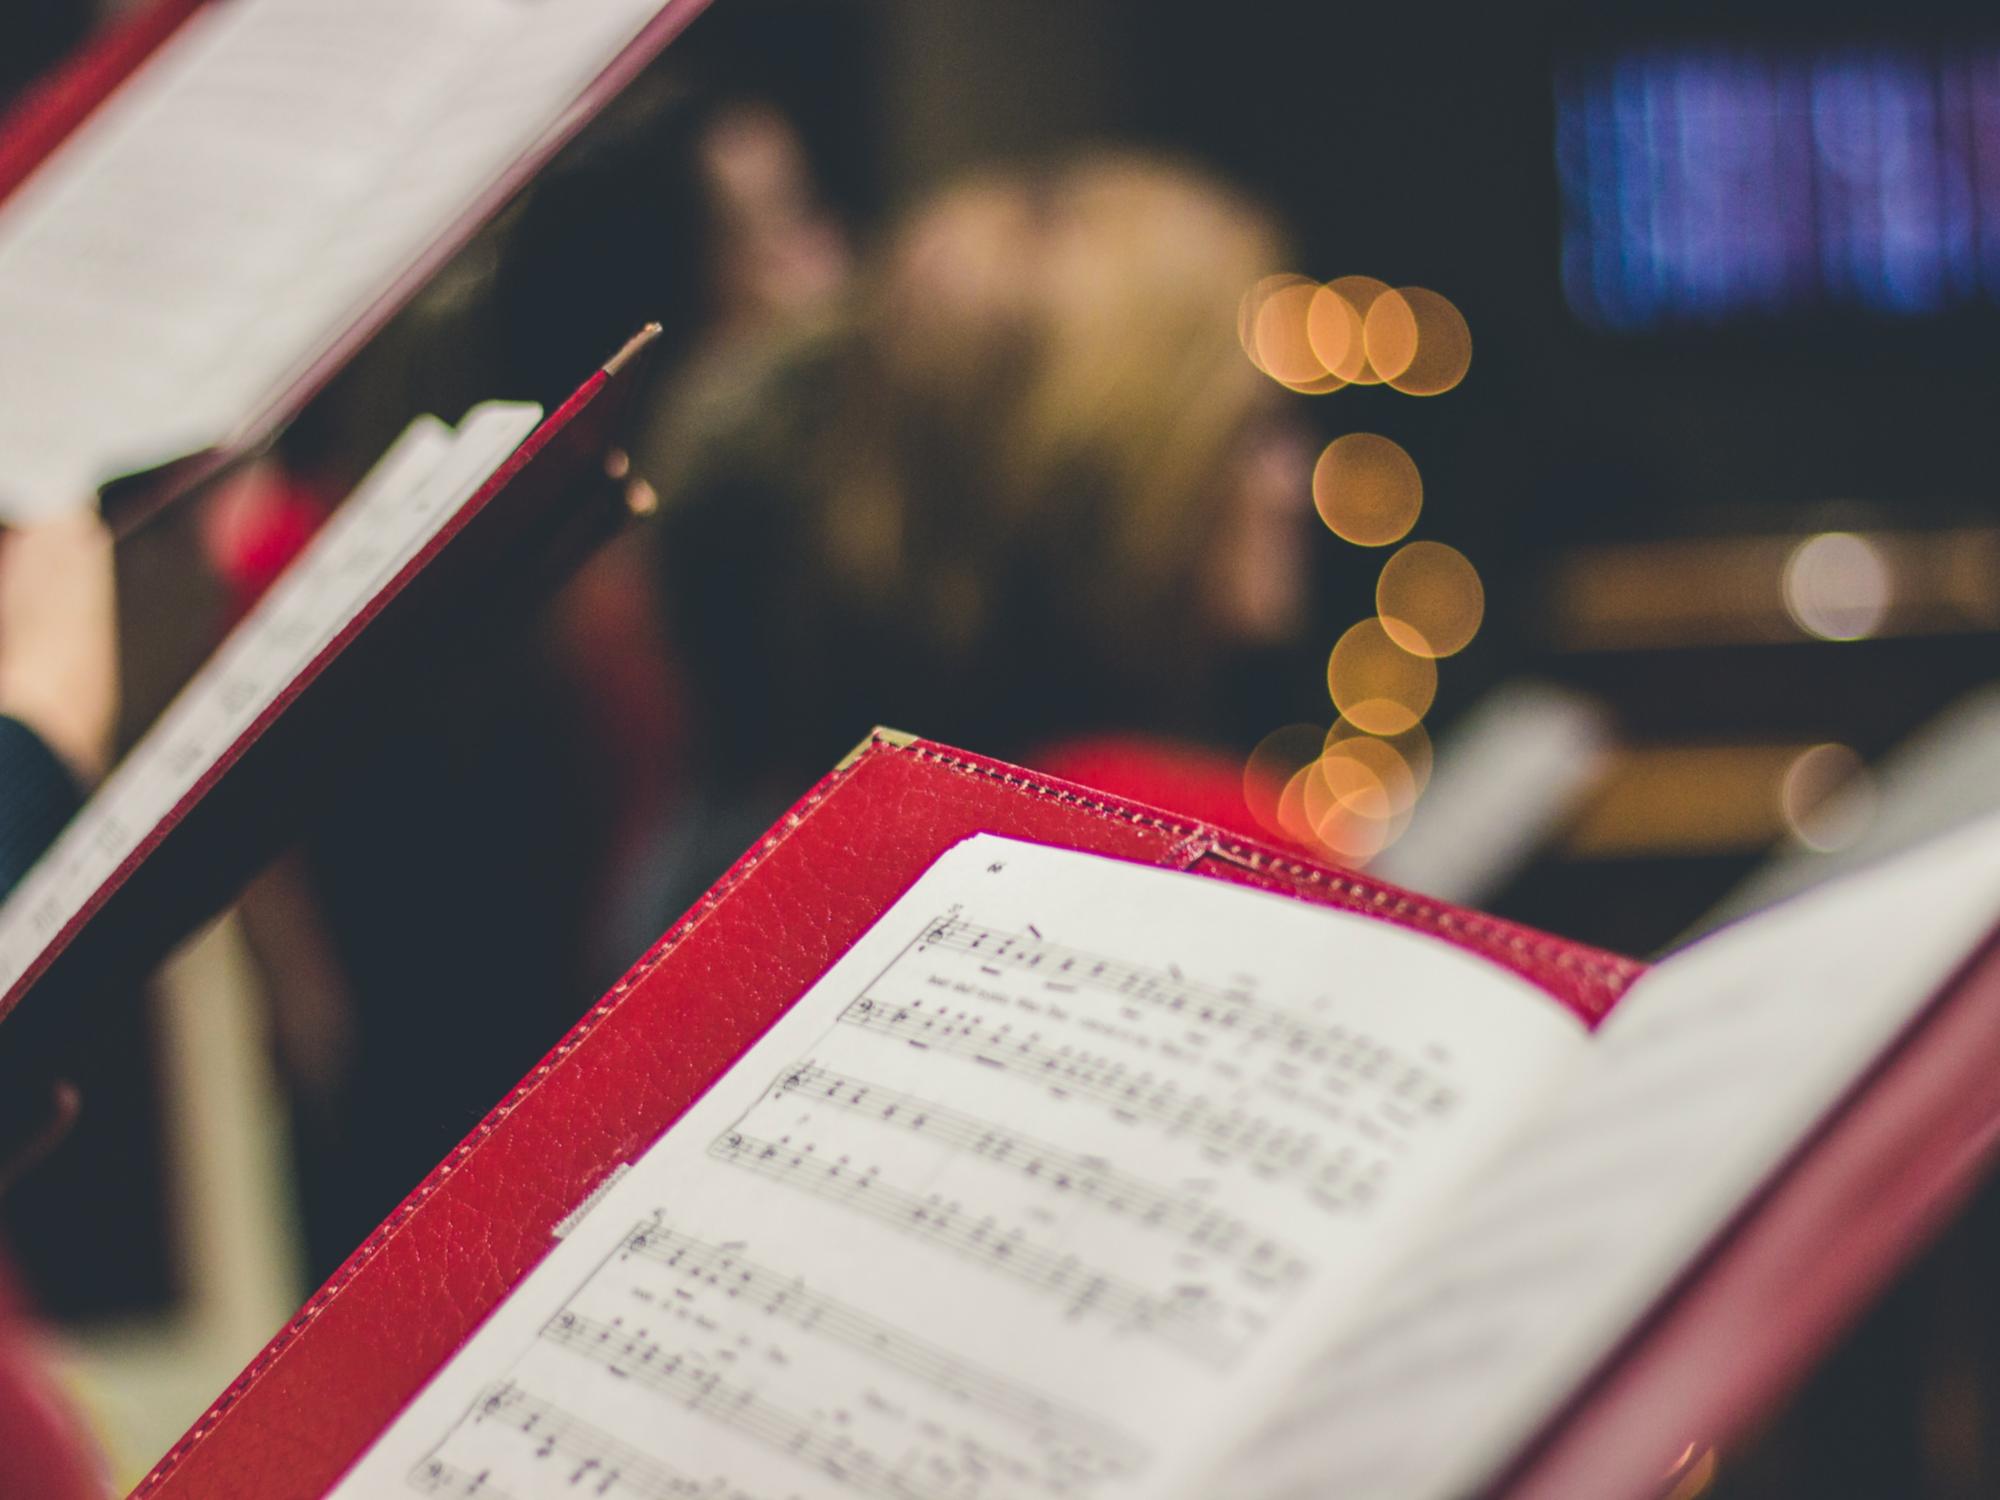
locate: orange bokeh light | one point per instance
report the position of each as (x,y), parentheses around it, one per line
(1346,808)
(1353,838)
(1385,765)
(1376,684)
(1430,599)
(1389,335)
(1291,816)
(1412,747)
(1278,758)
(1251,305)
(1367,489)
(1338,321)
(1271,324)
(1418,340)
(1333,328)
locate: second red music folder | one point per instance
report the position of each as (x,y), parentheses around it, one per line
(355,634)
(189,259)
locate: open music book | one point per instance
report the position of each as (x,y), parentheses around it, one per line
(1077,1177)
(241,213)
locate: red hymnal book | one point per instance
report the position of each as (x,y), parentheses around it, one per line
(213,207)
(981,1135)
(445,544)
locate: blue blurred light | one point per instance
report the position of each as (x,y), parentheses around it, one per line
(1706,184)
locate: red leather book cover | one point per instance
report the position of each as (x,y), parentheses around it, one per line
(368,1340)
(1861,1197)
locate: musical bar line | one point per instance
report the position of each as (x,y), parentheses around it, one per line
(436,1477)
(1103,1449)
(1091,1178)
(633,1356)
(604,1465)
(1227,1010)
(1339,1177)
(1185,1321)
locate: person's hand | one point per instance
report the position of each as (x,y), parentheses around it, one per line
(59,637)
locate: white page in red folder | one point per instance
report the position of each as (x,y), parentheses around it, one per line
(236,205)
(1044,1189)
(743,1312)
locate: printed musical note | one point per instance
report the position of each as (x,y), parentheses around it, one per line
(597,1463)
(632,1355)
(1094,1447)
(1339,1177)
(436,1477)
(1187,1321)
(1091,1179)
(1230,1012)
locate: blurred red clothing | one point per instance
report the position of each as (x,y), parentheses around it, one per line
(44,1451)
(1191,780)
(254,526)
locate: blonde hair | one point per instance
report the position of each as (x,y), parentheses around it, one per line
(983,503)
(1048,396)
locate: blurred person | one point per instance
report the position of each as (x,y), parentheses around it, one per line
(507,805)
(58,679)
(775,253)
(703,212)
(1029,489)
(58,711)
(694,208)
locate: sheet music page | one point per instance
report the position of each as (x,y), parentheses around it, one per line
(413,490)
(1700,1084)
(1041,1191)
(242,199)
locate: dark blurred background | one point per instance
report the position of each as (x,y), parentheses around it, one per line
(1722,462)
